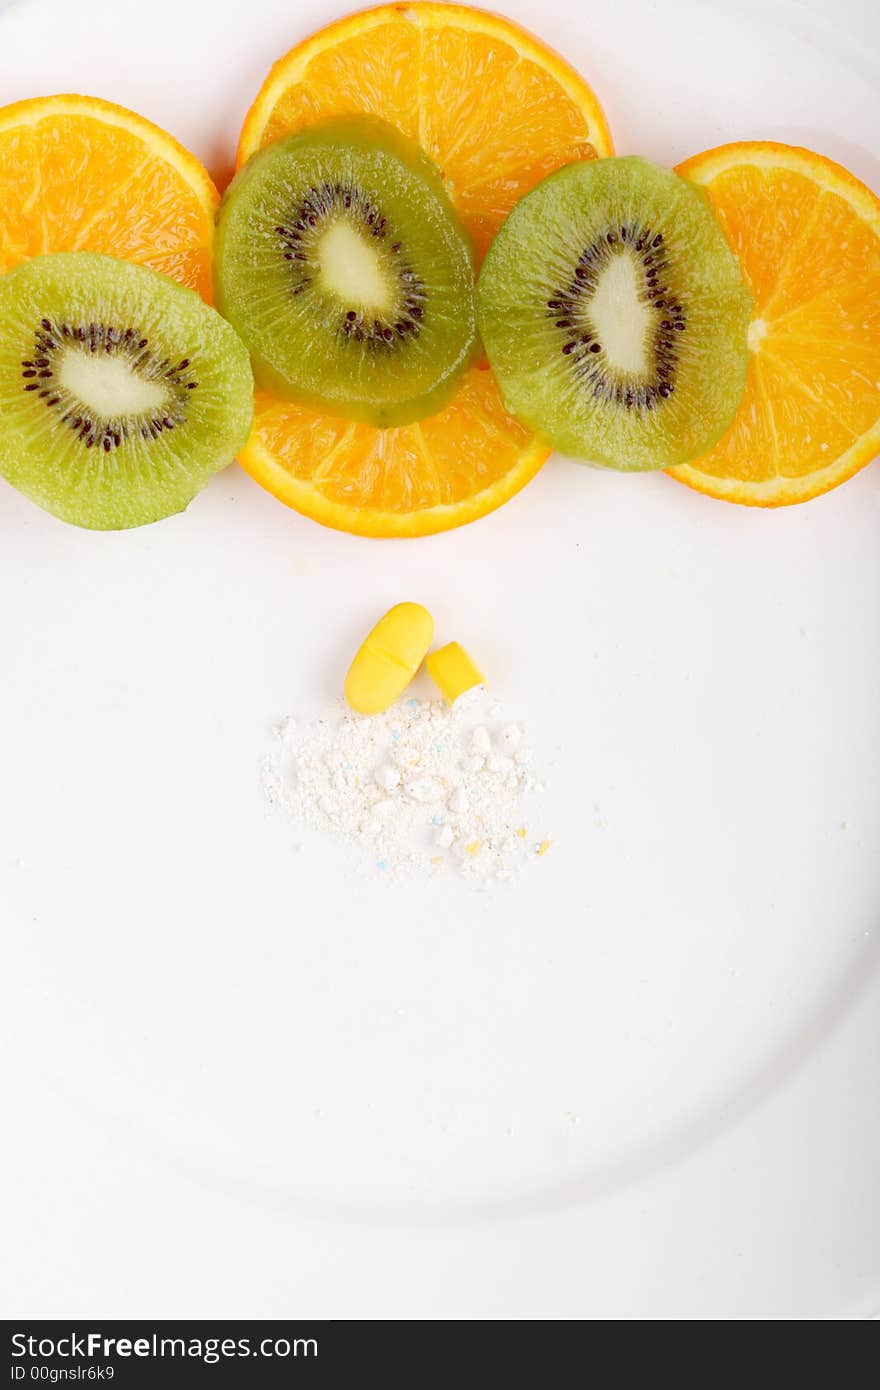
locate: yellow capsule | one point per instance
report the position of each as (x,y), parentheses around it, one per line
(452,670)
(388,658)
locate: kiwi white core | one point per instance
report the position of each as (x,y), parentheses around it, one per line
(352,270)
(621,318)
(109,386)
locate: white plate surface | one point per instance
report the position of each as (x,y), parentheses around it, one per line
(641,1085)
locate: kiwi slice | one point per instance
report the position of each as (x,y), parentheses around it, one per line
(614,315)
(344,267)
(121,392)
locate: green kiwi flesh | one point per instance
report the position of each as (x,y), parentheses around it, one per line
(121,392)
(615,316)
(343,265)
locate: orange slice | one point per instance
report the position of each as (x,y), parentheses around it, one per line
(493,107)
(496,110)
(80,174)
(807,234)
(409,481)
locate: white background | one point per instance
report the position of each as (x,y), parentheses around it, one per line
(643,1084)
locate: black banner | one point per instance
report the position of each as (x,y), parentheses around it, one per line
(91,1352)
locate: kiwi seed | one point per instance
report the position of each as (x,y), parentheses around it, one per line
(39,373)
(318,208)
(578,341)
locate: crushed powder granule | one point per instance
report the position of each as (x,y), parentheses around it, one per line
(423,788)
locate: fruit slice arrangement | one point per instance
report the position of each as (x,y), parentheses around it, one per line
(807,235)
(495,111)
(720,321)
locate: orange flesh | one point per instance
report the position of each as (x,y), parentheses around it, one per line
(493,107)
(80,174)
(410,481)
(808,238)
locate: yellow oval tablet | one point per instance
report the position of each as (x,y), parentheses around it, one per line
(389,658)
(453,671)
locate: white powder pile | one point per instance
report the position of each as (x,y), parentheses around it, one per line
(422,788)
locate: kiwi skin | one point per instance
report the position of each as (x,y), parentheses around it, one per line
(362,136)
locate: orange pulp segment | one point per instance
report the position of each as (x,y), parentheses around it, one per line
(409,481)
(493,107)
(80,174)
(807,234)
